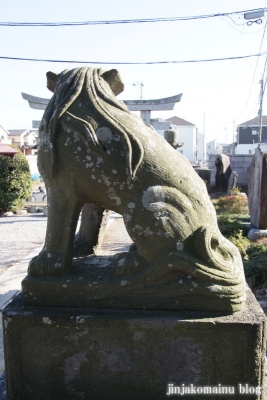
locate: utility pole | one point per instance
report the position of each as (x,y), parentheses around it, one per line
(139,83)
(234,131)
(234,136)
(260,111)
(263,85)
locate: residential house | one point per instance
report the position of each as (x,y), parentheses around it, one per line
(26,140)
(4,136)
(213,147)
(248,136)
(193,147)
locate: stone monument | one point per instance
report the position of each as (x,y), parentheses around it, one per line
(232,182)
(172,310)
(223,172)
(257,190)
(171,135)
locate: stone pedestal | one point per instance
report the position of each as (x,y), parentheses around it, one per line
(88,353)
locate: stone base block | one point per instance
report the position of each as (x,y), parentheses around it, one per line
(69,353)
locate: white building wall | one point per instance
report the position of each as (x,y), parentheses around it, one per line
(250,148)
(213,147)
(4,136)
(200,147)
(188,136)
(30,139)
(32,160)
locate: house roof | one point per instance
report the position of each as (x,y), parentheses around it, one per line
(4,149)
(179,121)
(17,132)
(255,121)
(24,132)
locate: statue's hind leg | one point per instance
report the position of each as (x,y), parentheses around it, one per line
(56,256)
(94,220)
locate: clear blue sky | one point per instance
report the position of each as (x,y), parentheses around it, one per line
(226,92)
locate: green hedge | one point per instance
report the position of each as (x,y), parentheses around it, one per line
(15,182)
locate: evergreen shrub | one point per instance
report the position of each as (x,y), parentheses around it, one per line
(15,182)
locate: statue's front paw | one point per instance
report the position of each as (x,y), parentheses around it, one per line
(46,264)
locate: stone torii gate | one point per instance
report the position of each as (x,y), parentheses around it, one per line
(144,106)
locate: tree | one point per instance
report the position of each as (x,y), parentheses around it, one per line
(15,181)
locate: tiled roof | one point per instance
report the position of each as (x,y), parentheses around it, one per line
(255,121)
(179,121)
(4,149)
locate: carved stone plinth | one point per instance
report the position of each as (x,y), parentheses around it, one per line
(93,281)
(84,353)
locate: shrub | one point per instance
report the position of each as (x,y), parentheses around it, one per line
(235,204)
(254,254)
(231,224)
(255,264)
(15,182)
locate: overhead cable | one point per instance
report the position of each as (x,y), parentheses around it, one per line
(132,63)
(129,21)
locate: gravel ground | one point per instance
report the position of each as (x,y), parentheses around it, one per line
(19,236)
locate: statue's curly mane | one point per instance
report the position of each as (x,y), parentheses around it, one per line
(90,83)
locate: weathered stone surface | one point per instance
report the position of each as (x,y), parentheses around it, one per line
(8,214)
(257,190)
(93,150)
(223,172)
(255,234)
(94,220)
(21,212)
(86,353)
(232,183)
(93,282)
(32,209)
(171,135)
(204,174)
(239,163)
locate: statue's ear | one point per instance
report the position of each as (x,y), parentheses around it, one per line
(114,80)
(52,79)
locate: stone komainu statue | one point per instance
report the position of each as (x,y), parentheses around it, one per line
(93,150)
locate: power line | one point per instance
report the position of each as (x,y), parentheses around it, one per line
(129,21)
(132,63)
